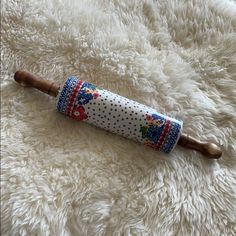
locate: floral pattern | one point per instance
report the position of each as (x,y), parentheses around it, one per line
(85,102)
(79,113)
(86,93)
(153,130)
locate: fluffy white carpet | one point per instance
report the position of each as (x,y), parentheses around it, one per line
(62,177)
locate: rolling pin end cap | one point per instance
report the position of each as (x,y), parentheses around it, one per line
(17,76)
(212,150)
(20,77)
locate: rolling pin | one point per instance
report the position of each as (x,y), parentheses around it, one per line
(84,101)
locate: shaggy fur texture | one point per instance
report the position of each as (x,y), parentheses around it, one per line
(62,177)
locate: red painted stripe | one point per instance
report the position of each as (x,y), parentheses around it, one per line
(73,95)
(163,134)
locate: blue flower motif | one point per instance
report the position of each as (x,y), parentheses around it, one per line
(153,133)
(157,117)
(83,97)
(88,85)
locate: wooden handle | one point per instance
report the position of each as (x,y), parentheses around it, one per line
(29,80)
(208,149)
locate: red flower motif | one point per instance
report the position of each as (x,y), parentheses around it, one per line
(79,113)
(149,118)
(95,95)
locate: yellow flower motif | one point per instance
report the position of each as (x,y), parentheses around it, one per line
(87,90)
(158,123)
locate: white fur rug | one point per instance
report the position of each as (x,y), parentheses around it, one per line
(62,177)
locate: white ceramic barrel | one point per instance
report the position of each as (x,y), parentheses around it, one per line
(86,102)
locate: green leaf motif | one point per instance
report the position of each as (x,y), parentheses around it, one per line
(144,129)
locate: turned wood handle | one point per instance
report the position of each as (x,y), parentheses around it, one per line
(27,79)
(208,149)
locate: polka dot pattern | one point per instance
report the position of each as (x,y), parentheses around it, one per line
(83,101)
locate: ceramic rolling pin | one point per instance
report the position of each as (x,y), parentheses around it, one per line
(85,102)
